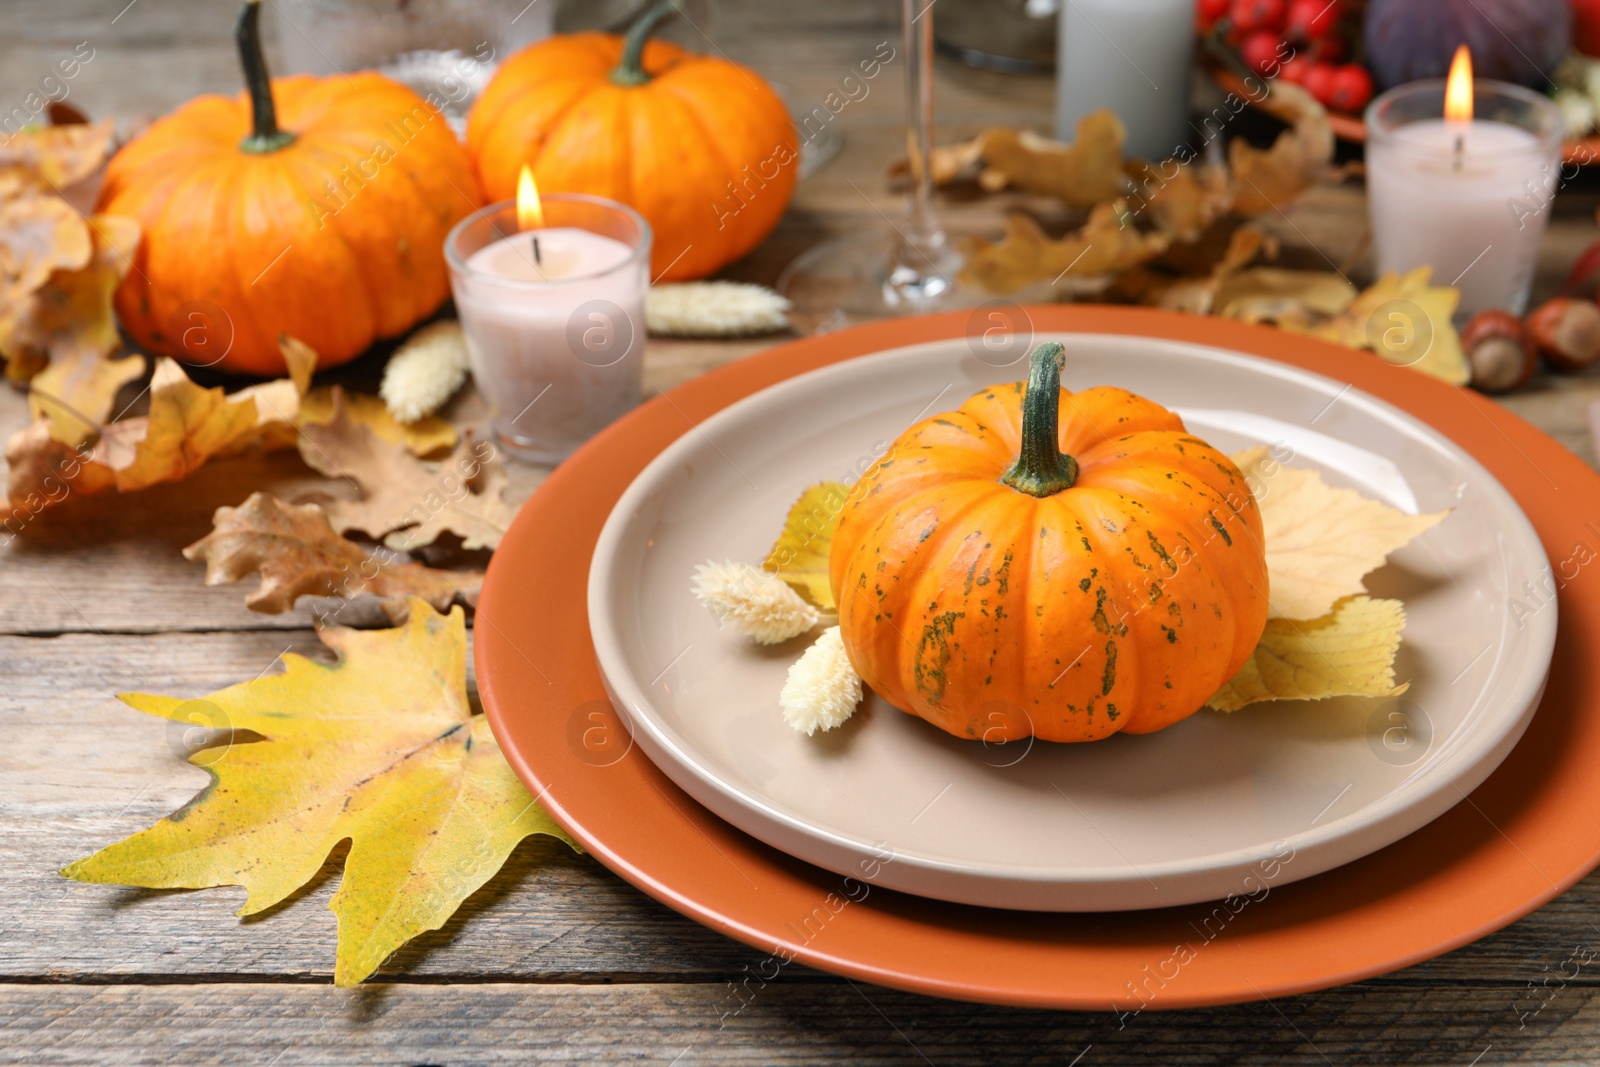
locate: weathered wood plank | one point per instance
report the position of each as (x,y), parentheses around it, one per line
(783,1023)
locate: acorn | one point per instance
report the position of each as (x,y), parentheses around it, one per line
(1566,332)
(1499,351)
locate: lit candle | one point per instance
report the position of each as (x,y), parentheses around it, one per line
(1460,176)
(551,297)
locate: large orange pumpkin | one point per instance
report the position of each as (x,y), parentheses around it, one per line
(699,146)
(1002,577)
(329,227)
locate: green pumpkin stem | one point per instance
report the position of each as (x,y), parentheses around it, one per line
(264,135)
(631,70)
(1041,469)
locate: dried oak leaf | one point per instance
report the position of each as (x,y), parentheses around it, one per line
(1185,204)
(297,553)
(1107,244)
(1321,539)
(800,555)
(39,234)
(429,436)
(59,156)
(1084,173)
(1268,180)
(1195,295)
(187,425)
(1349,652)
(74,394)
(380,749)
(403,501)
(1294,299)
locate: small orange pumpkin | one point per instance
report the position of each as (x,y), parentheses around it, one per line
(1001,578)
(701,147)
(329,228)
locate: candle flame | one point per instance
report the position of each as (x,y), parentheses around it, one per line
(530,213)
(1458,88)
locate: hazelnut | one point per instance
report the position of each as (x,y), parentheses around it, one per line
(1566,332)
(1498,351)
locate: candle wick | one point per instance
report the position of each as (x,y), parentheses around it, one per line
(1461,143)
(537,258)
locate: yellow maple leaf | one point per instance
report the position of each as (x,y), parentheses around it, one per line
(1321,540)
(1349,652)
(800,555)
(380,748)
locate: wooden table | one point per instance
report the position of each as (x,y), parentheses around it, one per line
(557,959)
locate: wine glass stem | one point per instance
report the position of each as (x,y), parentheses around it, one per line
(921,256)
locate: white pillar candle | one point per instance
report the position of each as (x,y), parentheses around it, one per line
(1132,56)
(554,324)
(1468,196)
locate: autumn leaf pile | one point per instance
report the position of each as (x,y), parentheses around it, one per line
(1183,234)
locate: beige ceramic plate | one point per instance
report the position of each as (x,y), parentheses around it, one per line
(1215,805)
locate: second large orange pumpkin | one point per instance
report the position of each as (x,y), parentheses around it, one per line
(701,147)
(1046,563)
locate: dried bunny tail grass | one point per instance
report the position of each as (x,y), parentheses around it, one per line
(425,371)
(714,309)
(823,689)
(759,605)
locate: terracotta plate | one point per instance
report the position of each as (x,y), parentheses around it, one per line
(1526,833)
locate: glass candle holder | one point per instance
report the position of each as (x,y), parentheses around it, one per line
(1469,198)
(553,317)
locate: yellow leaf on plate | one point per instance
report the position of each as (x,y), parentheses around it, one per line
(429,436)
(1321,541)
(1347,653)
(380,748)
(800,555)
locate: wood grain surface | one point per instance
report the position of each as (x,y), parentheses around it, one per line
(558,960)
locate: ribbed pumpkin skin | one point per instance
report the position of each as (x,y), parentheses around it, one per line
(669,148)
(1120,604)
(365,263)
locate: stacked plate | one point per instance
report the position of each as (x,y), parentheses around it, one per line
(1248,855)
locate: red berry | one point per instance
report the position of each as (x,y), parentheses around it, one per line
(1208,12)
(1350,89)
(1259,50)
(1250,15)
(1294,70)
(1318,81)
(1586,26)
(1311,20)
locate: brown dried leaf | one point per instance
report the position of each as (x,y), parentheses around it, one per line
(1267,180)
(1183,204)
(1292,298)
(400,492)
(75,393)
(40,234)
(430,436)
(1084,173)
(298,554)
(187,425)
(1105,245)
(1197,296)
(59,156)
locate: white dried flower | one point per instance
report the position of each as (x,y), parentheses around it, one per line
(425,371)
(823,689)
(714,309)
(760,606)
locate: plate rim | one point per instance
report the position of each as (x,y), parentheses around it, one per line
(1344,925)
